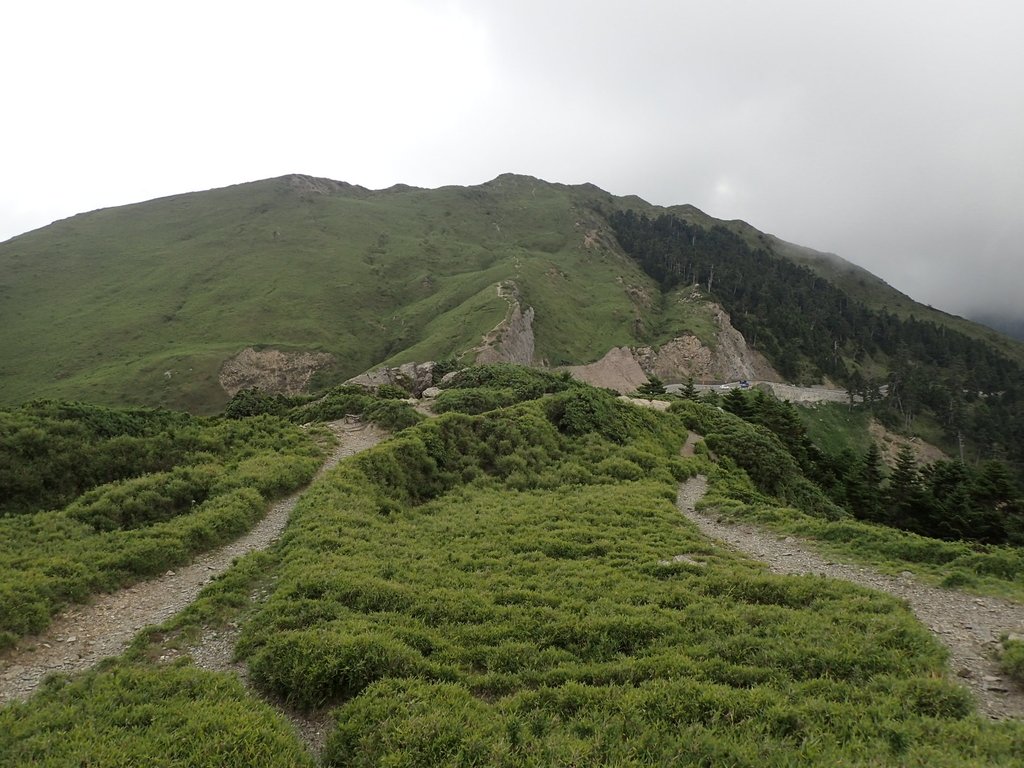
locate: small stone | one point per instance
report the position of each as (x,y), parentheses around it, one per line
(992,679)
(964,672)
(906,575)
(997,689)
(169,573)
(789,540)
(72,639)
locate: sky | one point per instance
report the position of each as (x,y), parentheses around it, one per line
(891,133)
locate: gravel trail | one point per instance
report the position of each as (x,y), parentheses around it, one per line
(84,634)
(969,626)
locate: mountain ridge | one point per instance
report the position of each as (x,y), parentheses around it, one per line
(144,303)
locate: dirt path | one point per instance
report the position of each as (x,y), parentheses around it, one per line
(85,634)
(969,626)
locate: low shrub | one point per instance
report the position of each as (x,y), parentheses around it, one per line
(137,528)
(1011,659)
(132,715)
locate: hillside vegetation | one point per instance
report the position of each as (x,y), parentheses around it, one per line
(143,304)
(96,498)
(514,586)
(907,368)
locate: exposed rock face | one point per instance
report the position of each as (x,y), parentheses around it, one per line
(414,377)
(512,341)
(680,358)
(624,369)
(686,356)
(618,370)
(271,370)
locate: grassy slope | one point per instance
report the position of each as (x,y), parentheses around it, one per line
(103,305)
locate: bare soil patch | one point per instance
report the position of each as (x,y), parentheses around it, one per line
(890,443)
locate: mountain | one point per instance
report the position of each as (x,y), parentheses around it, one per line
(298,282)
(508,579)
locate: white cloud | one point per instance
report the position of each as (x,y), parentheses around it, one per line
(886,131)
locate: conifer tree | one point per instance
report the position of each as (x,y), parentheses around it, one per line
(905,493)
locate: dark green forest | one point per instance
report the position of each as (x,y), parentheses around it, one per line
(809,328)
(948,500)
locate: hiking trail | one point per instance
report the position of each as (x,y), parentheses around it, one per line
(84,634)
(969,626)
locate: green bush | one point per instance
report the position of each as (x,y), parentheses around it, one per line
(50,452)
(410,722)
(255,402)
(136,528)
(388,410)
(131,715)
(310,669)
(1011,659)
(474,401)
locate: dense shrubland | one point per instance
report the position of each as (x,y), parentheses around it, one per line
(502,589)
(50,452)
(387,406)
(949,500)
(485,387)
(517,588)
(181,486)
(958,524)
(132,715)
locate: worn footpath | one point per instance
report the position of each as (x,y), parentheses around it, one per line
(84,634)
(969,626)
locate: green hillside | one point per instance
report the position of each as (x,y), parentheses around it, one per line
(101,306)
(142,304)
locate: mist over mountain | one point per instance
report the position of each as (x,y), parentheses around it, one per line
(1011,322)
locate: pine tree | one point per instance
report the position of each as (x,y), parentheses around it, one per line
(905,495)
(653,386)
(736,403)
(864,486)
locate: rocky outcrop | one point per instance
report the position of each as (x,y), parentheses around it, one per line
(730,359)
(511,341)
(271,370)
(624,368)
(414,377)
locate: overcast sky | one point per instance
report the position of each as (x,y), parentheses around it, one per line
(891,133)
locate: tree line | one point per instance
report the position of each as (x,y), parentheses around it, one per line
(808,327)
